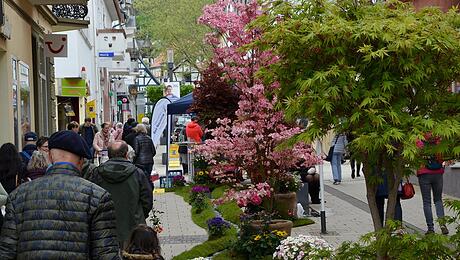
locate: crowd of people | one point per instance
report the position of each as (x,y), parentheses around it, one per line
(79,194)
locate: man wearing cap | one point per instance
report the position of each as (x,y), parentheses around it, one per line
(30,146)
(60,215)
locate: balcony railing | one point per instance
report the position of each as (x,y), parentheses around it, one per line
(70,11)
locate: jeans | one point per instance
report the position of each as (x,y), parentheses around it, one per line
(336,164)
(381,204)
(427,183)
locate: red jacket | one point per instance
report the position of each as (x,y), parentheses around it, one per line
(194,132)
(423,169)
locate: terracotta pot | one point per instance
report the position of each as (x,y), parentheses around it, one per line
(275,224)
(285,204)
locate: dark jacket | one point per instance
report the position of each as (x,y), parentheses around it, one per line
(144,149)
(88,136)
(28,149)
(34,174)
(130,192)
(59,216)
(131,138)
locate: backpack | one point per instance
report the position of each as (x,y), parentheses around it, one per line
(433,163)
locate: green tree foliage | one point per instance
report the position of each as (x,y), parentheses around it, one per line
(173,24)
(186,89)
(382,72)
(154,93)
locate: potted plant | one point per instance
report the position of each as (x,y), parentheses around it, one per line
(257,215)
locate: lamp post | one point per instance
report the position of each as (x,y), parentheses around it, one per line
(321,184)
(170,56)
(133,93)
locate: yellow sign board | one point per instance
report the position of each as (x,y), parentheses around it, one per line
(91,109)
(174,161)
(139,117)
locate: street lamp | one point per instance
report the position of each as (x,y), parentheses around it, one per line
(170,57)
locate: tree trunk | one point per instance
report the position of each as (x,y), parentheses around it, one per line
(371,192)
(394,174)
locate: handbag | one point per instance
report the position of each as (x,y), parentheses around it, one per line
(331,151)
(408,190)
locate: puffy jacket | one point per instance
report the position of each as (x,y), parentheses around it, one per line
(194,132)
(59,216)
(144,149)
(130,190)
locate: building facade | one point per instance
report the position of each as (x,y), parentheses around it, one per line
(84,66)
(27,98)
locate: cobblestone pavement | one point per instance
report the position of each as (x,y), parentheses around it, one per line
(347,213)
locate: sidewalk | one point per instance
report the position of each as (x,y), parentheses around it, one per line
(347,213)
(179,232)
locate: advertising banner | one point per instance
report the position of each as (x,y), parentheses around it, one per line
(159,120)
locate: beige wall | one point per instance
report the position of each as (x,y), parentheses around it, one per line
(19,47)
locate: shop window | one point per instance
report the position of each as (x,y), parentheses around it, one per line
(25,97)
(14,69)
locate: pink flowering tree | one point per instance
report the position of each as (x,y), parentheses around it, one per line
(251,141)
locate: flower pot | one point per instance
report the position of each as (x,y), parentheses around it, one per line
(285,204)
(256,226)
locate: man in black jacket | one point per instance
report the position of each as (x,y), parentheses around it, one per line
(60,215)
(129,188)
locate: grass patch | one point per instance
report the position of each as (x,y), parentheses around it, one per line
(201,218)
(170,189)
(184,192)
(302,222)
(219,191)
(230,211)
(227,254)
(210,247)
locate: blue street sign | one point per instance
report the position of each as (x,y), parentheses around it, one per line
(106,54)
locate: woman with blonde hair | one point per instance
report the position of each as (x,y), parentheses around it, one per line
(37,165)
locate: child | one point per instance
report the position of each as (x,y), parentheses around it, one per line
(143,243)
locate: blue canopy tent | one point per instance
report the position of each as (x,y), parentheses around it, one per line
(179,106)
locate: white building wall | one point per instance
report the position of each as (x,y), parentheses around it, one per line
(82,51)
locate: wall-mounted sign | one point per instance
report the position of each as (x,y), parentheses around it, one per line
(91,109)
(106,54)
(73,87)
(55,45)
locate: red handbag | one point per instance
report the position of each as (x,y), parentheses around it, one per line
(408,190)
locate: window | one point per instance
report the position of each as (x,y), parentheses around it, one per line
(24,86)
(14,69)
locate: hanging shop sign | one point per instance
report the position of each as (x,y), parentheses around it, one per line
(55,45)
(91,109)
(73,87)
